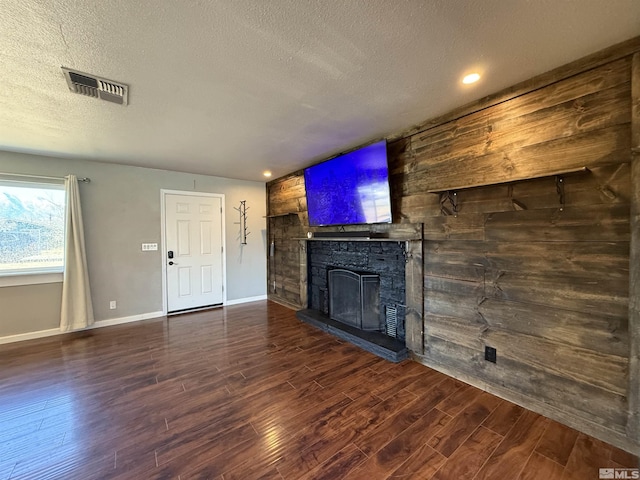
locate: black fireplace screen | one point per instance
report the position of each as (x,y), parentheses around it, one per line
(354,299)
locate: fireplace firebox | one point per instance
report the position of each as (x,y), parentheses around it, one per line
(357,293)
(354,299)
(384,260)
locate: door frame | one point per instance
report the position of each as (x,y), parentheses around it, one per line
(163,241)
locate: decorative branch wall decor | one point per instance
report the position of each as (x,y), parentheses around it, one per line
(242,209)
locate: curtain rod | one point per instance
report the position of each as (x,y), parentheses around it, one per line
(43,177)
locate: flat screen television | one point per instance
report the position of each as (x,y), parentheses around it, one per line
(350,189)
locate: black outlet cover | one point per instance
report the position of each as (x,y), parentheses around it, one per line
(490,354)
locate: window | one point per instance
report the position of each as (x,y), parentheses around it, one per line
(31,228)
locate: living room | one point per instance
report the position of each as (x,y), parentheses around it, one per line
(513,217)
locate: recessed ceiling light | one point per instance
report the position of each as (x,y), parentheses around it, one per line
(471,78)
(266,173)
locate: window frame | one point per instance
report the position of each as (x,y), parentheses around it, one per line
(35,275)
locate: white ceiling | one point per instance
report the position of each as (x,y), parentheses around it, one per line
(235,87)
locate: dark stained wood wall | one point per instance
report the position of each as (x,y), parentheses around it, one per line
(633,424)
(287,216)
(545,283)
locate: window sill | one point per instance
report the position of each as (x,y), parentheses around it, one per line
(30,279)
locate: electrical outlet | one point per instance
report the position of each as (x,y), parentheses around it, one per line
(490,354)
(112,304)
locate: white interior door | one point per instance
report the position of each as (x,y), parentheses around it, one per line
(193,251)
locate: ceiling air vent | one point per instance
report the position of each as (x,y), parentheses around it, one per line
(93,86)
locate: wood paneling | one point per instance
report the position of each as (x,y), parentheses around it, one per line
(598,223)
(538,269)
(565,72)
(633,425)
(531,119)
(605,146)
(283,275)
(414,288)
(545,283)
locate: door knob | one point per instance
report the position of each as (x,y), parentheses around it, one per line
(172,263)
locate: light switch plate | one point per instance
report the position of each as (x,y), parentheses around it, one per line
(148,247)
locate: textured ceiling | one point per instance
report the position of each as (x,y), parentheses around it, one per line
(234,87)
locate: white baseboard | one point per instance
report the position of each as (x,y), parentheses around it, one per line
(99,324)
(132,318)
(30,335)
(245,300)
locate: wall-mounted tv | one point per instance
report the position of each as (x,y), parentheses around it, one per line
(350,189)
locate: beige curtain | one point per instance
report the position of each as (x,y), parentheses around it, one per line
(77,309)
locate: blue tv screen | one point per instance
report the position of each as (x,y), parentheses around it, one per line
(350,189)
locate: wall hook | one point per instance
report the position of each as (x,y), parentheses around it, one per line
(243,221)
(451,197)
(560,190)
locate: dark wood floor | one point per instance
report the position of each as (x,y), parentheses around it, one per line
(249,392)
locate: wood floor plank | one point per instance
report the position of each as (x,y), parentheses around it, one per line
(557,442)
(587,458)
(299,418)
(391,456)
(509,458)
(17,449)
(386,431)
(321,440)
(249,392)
(464,424)
(398,381)
(540,467)
(421,465)
(503,418)
(467,460)
(626,459)
(217,443)
(198,465)
(318,443)
(11,430)
(65,462)
(263,460)
(6,469)
(338,465)
(455,403)
(426,382)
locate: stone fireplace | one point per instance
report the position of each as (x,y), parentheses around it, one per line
(374,271)
(391,251)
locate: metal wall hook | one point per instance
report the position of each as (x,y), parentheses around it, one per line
(451,197)
(243,221)
(560,191)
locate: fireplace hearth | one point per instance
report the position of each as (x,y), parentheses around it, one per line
(352,287)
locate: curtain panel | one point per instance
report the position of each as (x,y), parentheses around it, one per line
(77,309)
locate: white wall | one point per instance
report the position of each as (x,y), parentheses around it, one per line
(121,209)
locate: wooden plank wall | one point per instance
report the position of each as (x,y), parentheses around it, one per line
(633,425)
(285,197)
(546,284)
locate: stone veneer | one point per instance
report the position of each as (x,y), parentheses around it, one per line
(386,259)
